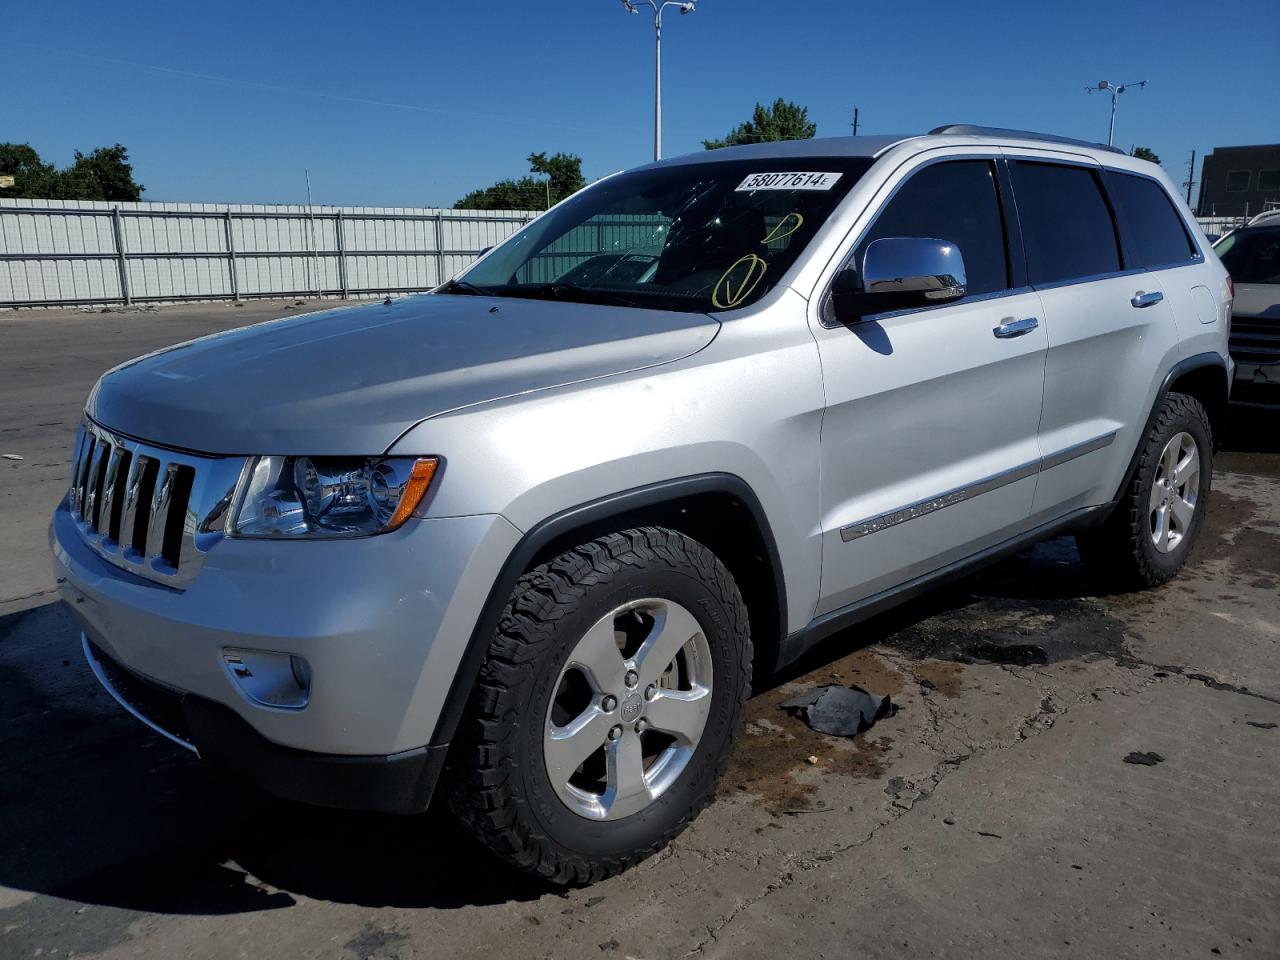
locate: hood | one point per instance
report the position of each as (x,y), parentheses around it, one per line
(350,381)
(1257,300)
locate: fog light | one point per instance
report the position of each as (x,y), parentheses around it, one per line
(279,680)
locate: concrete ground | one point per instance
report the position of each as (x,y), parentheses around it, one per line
(992,816)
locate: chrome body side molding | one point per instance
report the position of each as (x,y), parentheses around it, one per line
(959,494)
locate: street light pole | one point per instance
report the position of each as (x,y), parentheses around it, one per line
(1111,130)
(657,84)
(1115,89)
(686,6)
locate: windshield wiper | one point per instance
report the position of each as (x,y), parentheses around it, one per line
(464,288)
(566,291)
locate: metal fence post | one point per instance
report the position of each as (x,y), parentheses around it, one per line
(120,257)
(342,255)
(231,258)
(439,247)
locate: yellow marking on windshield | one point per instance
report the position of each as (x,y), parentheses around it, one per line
(738,282)
(785,227)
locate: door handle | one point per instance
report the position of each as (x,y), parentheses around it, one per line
(1141,299)
(1015,328)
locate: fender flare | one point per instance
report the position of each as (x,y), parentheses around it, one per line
(1197,362)
(583,515)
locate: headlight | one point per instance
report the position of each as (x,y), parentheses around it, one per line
(330,496)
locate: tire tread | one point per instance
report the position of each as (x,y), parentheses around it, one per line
(480,769)
(1117,549)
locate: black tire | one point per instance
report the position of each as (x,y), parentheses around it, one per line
(497,781)
(1121,551)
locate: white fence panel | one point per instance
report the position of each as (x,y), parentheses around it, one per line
(66,252)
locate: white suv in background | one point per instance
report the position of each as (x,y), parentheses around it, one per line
(1252,255)
(527,537)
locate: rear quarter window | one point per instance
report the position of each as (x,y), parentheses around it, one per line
(1152,233)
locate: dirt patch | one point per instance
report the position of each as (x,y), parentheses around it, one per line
(1234,531)
(375,943)
(862,668)
(771,760)
(1257,551)
(940,677)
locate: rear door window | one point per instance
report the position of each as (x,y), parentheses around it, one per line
(954,201)
(1067,228)
(1151,232)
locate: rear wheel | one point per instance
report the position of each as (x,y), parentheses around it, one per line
(1147,539)
(607,706)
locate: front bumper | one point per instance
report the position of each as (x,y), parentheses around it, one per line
(383,623)
(400,783)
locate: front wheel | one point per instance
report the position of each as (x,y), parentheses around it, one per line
(607,706)
(1147,539)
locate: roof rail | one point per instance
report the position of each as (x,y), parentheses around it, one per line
(970,130)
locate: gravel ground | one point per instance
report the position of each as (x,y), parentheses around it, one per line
(992,815)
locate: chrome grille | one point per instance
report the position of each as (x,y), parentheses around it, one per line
(150,510)
(1254,340)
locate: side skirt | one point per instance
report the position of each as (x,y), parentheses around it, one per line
(824,626)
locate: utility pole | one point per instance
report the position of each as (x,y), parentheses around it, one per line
(1115,89)
(855,121)
(686,6)
(1191,176)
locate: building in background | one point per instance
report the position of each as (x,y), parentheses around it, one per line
(1240,181)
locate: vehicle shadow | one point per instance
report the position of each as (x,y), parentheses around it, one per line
(962,621)
(1248,440)
(95,809)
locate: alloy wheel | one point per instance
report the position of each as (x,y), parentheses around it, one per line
(1174,492)
(629,708)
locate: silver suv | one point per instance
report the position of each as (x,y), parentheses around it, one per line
(524,540)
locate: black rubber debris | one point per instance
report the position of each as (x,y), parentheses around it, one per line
(1144,759)
(1261,726)
(840,711)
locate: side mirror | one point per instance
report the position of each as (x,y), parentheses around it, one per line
(899,273)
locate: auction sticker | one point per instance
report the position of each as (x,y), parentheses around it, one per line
(788,181)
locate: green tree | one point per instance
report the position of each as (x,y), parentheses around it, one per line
(33,178)
(1146,153)
(104,174)
(563,176)
(782,121)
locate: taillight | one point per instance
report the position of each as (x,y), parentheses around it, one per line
(1231,288)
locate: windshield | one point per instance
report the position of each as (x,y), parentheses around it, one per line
(1251,255)
(693,237)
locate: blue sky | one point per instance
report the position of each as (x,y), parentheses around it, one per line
(414,103)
